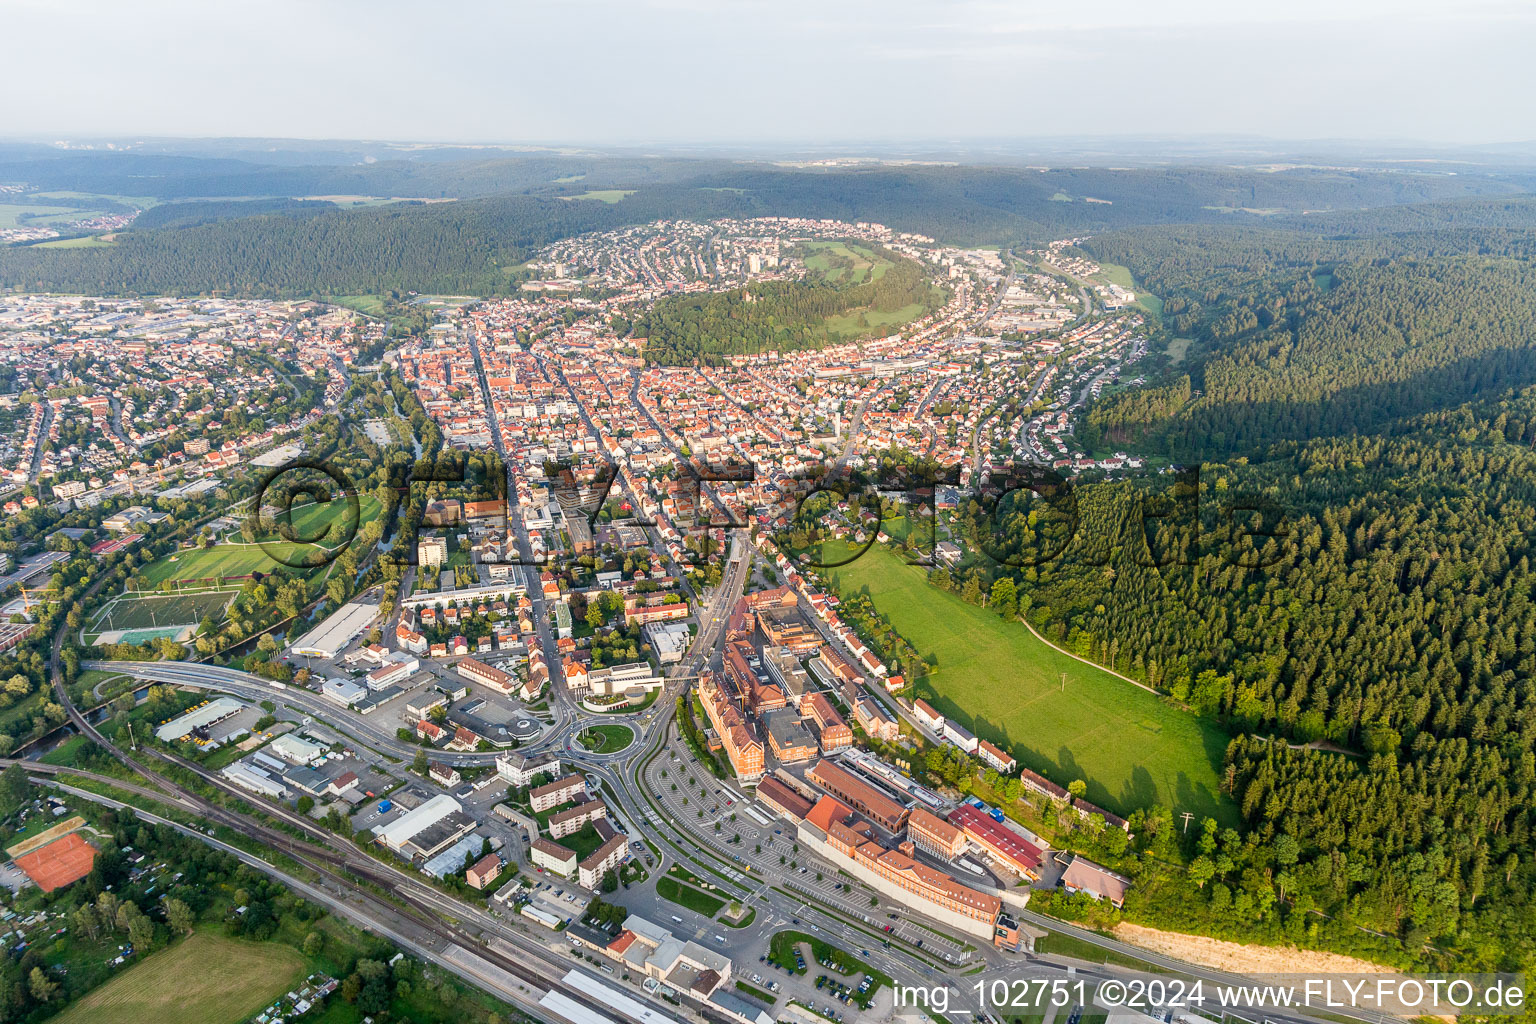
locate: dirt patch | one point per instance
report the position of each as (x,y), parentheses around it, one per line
(1241,959)
(44,838)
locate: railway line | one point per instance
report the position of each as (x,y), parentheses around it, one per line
(341,864)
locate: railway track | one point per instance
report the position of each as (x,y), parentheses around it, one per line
(334,859)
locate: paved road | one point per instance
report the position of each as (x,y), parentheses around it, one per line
(370,734)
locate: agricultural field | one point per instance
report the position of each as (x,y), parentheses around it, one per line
(42,213)
(1059,716)
(82,242)
(205,979)
(234,557)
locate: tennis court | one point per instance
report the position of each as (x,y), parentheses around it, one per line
(59,863)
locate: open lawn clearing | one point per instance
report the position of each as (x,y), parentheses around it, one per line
(1131,746)
(224,560)
(859,321)
(328,523)
(1114,273)
(322,525)
(604,195)
(83,242)
(845,262)
(204,979)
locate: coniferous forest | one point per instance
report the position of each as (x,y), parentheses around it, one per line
(1352,592)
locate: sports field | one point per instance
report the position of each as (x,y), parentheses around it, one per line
(204,979)
(1003,684)
(153,611)
(59,863)
(270,552)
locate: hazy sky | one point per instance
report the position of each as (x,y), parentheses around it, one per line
(626,71)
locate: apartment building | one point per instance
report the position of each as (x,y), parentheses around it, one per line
(574,819)
(876,722)
(519,770)
(551,856)
(607,857)
(927,717)
(996,757)
(431,551)
(561,791)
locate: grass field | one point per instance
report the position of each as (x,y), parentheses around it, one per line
(144,611)
(1130,746)
(606,739)
(83,242)
(1114,273)
(845,263)
(369,305)
(696,900)
(224,560)
(204,979)
(761,995)
(864,319)
(604,195)
(1080,949)
(239,559)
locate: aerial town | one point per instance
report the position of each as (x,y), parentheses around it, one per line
(543,626)
(677,513)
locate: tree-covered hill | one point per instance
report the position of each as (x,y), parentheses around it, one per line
(507,208)
(1298,337)
(1392,614)
(784,316)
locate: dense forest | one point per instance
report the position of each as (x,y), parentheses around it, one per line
(1341,574)
(507,208)
(781,316)
(1296,337)
(1382,605)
